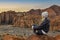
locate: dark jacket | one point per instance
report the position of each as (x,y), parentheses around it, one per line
(43,26)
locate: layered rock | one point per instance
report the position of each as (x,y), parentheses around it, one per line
(27,20)
(54,14)
(33,11)
(7,17)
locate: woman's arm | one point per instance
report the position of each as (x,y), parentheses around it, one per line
(41,26)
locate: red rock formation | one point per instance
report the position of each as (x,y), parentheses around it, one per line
(51,12)
(57,37)
(7,17)
(27,20)
(10,37)
(56,8)
(54,12)
(40,37)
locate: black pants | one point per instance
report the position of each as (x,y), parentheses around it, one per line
(39,32)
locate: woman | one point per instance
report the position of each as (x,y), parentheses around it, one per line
(43,28)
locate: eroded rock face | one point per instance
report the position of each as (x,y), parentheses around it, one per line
(7,17)
(26,21)
(40,37)
(54,15)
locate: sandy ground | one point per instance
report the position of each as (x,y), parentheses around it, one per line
(8,29)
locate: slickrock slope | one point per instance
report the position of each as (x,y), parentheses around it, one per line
(11,37)
(57,37)
(40,37)
(31,37)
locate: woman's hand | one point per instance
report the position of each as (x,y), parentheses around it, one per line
(32,26)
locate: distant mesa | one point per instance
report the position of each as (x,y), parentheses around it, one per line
(35,11)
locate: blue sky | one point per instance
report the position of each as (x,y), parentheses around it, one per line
(31,1)
(24,5)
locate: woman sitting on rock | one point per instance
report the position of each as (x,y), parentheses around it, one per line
(43,28)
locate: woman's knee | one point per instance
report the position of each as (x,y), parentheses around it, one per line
(39,32)
(34,27)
